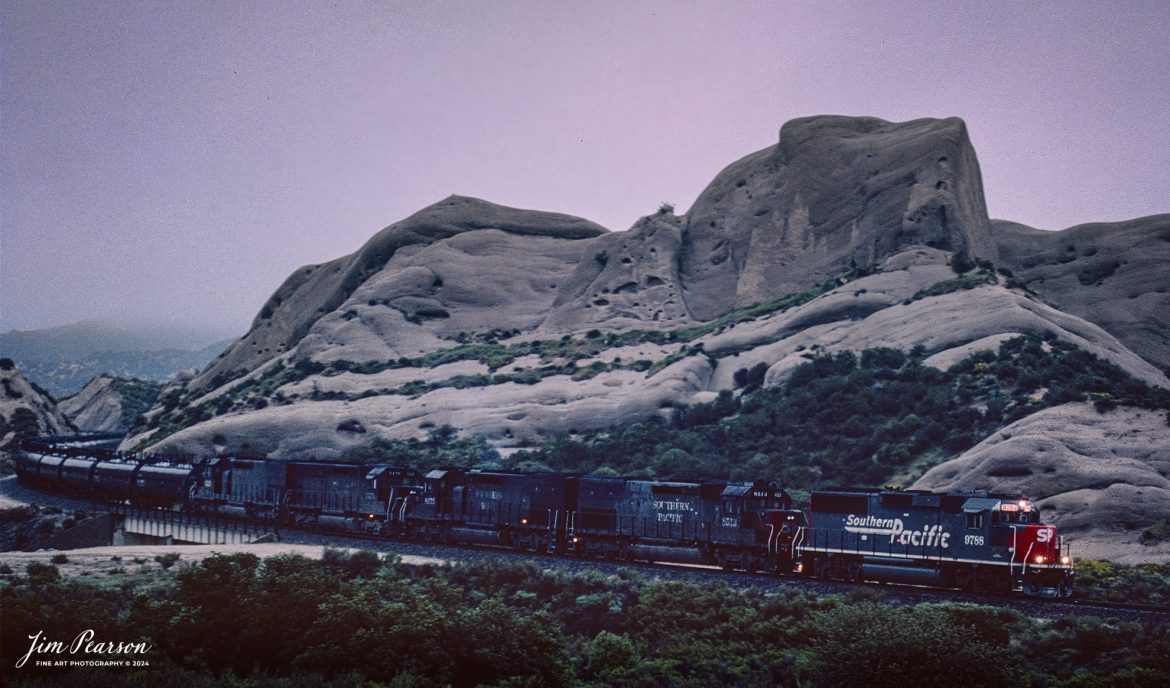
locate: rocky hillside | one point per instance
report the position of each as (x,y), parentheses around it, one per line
(1105,477)
(518,327)
(1113,274)
(109,404)
(25,409)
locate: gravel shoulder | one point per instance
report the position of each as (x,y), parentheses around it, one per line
(95,559)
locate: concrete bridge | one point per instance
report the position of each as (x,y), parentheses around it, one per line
(123,525)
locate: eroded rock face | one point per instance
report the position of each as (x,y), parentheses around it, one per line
(107,404)
(1113,274)
(96,408)
(427,296)
(26,410)
(834,192)
(868,312)
(409,291)
(332,360)
(631,279)
(1102,478)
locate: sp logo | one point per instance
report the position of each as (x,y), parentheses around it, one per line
(1044,535)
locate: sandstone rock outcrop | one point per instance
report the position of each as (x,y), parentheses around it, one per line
(96,408)
(834,192)
(108,404)
(517,326)
(876,310)
(1104,478)
(25,410)
(514,260)
(1113,274)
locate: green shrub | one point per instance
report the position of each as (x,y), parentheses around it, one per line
(42,574)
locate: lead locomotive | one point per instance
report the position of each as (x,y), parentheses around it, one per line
(972,541)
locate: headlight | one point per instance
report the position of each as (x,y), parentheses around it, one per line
(1065,560)
(1039,558)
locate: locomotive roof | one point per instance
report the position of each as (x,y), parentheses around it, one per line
(866,491)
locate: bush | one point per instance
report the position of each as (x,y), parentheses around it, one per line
(870,646)
(42,574)
(961,263)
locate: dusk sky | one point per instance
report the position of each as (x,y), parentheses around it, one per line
(175,161)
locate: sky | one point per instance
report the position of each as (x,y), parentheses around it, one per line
(175,161)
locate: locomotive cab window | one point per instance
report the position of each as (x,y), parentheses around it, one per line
(1013,517)
(975,519)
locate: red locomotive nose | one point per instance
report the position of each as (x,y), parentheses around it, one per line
(1036,545)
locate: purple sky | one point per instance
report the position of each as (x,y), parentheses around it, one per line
(176,161)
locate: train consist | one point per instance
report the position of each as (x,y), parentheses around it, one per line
(971,541)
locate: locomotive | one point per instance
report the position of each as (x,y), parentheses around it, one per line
(971,540)
(966,540)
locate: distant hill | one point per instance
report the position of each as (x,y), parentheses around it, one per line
(64,359)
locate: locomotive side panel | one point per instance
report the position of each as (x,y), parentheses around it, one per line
(329,488)
(254,483)
(968,540)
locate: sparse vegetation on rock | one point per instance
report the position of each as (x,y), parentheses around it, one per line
(848,419)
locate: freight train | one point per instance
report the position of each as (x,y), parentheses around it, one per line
(967,540)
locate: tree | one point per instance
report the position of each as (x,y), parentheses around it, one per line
(24,423)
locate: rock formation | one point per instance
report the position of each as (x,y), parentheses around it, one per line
(108,404)
(1113,274)
(25,410)
(460,265)
(517,326)
(834,192)
(1103,477)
